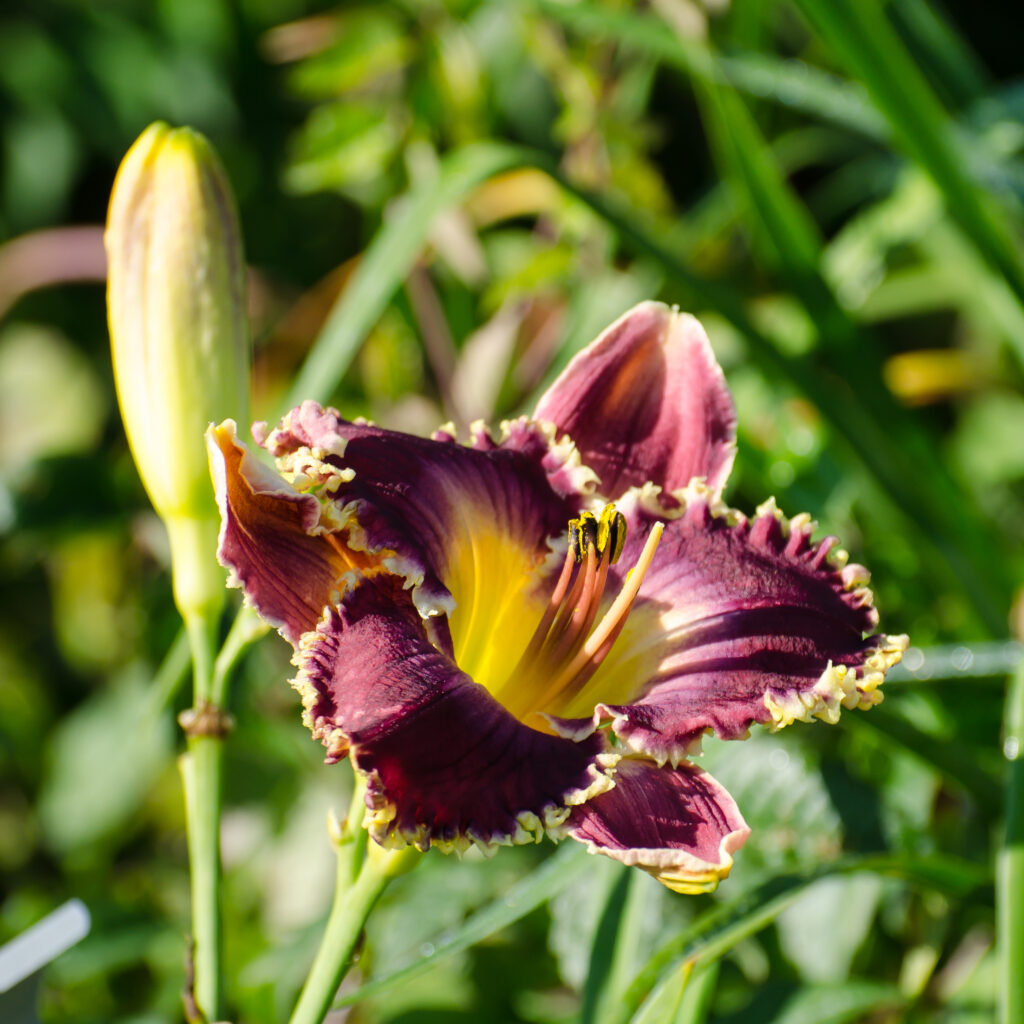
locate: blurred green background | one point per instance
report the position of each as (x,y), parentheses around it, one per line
(443,201)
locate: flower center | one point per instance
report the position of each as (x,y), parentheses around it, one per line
(567,648)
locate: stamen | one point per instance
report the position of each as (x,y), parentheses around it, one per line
(611,535)
(563,653)
(583,534)
(541,632)
(596,646)
(576,611)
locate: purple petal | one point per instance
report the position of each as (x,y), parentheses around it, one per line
(271,538)
(446,764)
(677,823)
(646,402)
(420,505)
(737,622)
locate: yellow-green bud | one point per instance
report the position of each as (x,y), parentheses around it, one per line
(179,335)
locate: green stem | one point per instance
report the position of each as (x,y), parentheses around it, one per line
(353,838)
(171,675)
(201,769)
(1010,894)
(353,901)
(201,766)
(247,628)
(201,778)
(200,629)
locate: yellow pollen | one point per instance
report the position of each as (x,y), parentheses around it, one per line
(566,648)
(607,534)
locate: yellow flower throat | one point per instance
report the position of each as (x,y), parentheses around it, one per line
(553,661)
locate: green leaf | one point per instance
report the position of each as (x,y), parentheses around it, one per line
(807,928)
(721,928)
(683,996)
(628,930)
(609,942)
(1010,862)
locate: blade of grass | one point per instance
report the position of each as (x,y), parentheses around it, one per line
(845,1003)
(606,950)
(524,896)
(955,67)
(863,39)
(976,662)
(681,997)
(786,235)
(698,995)
(613,955)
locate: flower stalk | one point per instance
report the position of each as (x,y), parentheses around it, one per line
(179,340)
(364,871)
(201,769)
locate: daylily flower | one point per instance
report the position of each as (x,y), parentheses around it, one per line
(528,634)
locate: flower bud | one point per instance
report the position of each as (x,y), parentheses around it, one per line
(179,335)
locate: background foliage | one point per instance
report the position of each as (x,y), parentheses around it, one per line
(442,201)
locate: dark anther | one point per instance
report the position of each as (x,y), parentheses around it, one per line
(582,533)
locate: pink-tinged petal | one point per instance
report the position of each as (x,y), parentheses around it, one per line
(738,622)
(647,402)
(271,538)
(426,503)
(678,824)
(446,764)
